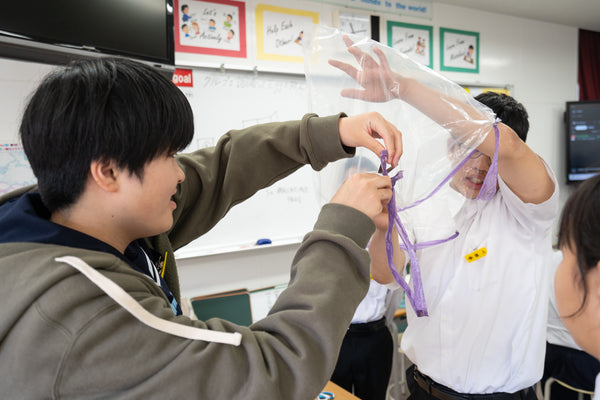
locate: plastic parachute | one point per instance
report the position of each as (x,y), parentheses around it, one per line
(432,152)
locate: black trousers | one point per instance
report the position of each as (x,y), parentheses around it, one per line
(574,367)
(418,393)
(365,361)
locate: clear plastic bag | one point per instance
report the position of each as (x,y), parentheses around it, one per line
(441,126)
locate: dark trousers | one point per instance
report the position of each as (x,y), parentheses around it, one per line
(365,361)
(418,393)
(574,367)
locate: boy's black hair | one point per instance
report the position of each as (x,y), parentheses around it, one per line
(183,7)
(579,228)
(510,111)
(103,109)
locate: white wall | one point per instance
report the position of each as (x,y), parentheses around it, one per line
(539,61)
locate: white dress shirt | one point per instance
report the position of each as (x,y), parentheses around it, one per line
(375,305)
(486,327)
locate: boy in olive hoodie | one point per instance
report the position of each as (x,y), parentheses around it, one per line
(114,201)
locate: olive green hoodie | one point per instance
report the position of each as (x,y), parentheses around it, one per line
(64,338)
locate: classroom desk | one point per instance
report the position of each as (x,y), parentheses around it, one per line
(338,392)
(401,312)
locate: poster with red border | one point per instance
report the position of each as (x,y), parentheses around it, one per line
(214,27)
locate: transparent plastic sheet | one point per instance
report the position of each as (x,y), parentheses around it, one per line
(439,159)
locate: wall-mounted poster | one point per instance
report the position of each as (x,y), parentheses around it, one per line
(459,50)
(280,32)
(216,27)
(414,41)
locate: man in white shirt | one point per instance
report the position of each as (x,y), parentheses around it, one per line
(487,318)
(365,361)
(484,337)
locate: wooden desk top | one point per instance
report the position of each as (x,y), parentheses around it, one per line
(338,392)
(401,312)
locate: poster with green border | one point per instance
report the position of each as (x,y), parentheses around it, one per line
(459,50)
(412,40)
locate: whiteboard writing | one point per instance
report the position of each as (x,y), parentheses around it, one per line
(221,101)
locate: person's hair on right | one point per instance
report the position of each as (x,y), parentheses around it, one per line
(579,229)
(100,110)
(509,110)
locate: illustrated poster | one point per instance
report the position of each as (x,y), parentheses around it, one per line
(216,27)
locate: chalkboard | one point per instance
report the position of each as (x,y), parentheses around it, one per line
(225,100)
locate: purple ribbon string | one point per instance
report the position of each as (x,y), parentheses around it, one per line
(430,243)
(488,189)
(415,295)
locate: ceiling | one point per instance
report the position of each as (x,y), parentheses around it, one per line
(584,14)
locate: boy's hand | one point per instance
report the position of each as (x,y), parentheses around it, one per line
(362,130)
(382,220)
(368,193)
(379,82)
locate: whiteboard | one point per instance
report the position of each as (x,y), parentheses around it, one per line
(225,100)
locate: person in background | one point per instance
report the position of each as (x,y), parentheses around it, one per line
(87,255)
(565,360)
(365,361)
(577,278)
(485,333)
(364,364)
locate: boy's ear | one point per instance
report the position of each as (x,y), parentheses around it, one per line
(105,174)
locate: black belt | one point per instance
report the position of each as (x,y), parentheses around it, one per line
(445,393)
(367,326)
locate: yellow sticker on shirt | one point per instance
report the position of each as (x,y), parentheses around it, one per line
(476,255)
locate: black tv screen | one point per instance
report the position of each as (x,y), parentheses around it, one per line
(583,140)
(139,29)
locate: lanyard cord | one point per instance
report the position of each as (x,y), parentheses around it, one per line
(130,304)
(416,295)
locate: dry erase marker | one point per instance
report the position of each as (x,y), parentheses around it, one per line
(263,241)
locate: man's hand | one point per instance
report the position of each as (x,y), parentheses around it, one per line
(379,82)
(368,193)
(362,131)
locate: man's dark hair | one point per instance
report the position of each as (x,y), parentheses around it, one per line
(579,228)
(103,109)
(510,111)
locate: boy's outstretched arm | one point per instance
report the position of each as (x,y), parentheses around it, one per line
(523,171)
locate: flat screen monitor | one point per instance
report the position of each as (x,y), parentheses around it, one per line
(583,140)
(56,31)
